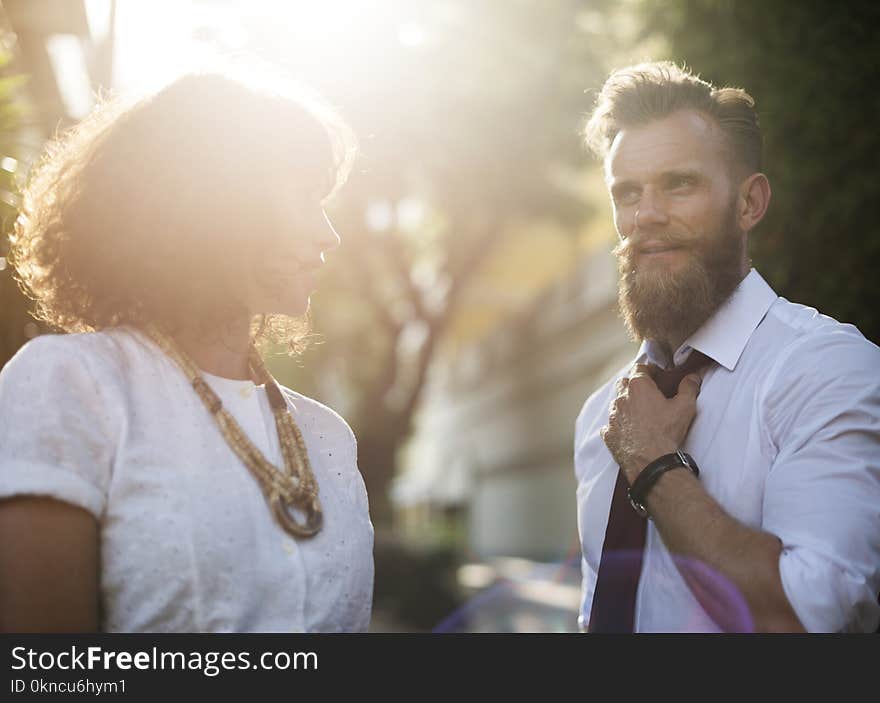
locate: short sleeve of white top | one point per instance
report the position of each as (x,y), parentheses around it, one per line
(107,422)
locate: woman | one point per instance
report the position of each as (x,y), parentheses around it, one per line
(153,476)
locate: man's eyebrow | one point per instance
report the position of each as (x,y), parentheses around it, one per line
(691,173)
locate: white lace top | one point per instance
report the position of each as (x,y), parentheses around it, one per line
(187,543)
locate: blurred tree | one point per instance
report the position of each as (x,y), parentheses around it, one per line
(468,116)
(810,66)
(14,315)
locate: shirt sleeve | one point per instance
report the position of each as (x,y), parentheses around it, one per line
(58,425)
(822,496)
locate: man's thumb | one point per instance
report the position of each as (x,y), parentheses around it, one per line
(689,386)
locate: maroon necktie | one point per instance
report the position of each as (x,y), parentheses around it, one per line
(614,600)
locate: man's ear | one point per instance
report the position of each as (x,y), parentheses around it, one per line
(752,201)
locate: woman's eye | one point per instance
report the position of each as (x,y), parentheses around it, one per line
(625,197)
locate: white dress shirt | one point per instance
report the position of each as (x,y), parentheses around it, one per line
(107,422)
(787,438)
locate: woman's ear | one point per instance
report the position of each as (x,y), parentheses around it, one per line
(752,201)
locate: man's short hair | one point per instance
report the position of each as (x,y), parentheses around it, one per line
(637,95)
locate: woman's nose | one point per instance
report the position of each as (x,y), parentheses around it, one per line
(329,238)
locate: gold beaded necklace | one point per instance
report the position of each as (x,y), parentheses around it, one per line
(295,486)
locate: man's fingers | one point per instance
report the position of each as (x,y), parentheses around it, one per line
(640,370)
(689,387)
(642,377)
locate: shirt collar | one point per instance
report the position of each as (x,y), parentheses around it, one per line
(724,336)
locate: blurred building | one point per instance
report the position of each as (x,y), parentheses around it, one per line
(495,434)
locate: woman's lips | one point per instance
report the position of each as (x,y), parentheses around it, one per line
(296,267)
(310,266)
(303,273)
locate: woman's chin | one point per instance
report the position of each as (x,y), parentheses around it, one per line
(300,307)
(288,308)
(295,310)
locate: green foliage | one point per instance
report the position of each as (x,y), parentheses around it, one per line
(14,306)
(811,67)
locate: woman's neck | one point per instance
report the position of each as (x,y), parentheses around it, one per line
(223,352)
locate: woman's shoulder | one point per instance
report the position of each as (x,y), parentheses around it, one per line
(96,353)
(100,345)
(48,352)
(320,416)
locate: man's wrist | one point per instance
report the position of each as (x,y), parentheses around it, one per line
(639,489)
(637,464)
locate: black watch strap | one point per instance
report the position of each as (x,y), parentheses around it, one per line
(638,492)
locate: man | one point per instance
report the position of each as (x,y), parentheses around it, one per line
(729,479)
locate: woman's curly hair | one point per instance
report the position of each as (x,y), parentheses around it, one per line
(140,213)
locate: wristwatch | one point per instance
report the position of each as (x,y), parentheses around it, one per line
(638,492)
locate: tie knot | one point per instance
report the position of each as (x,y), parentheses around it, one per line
(667,380)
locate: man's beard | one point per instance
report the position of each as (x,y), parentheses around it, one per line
(669,306)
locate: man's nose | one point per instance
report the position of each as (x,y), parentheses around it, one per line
(651,211)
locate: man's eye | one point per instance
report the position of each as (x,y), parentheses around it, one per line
(682,182)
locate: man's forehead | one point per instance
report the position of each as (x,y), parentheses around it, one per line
(683,140)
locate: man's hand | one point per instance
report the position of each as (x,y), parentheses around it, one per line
(643,424)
